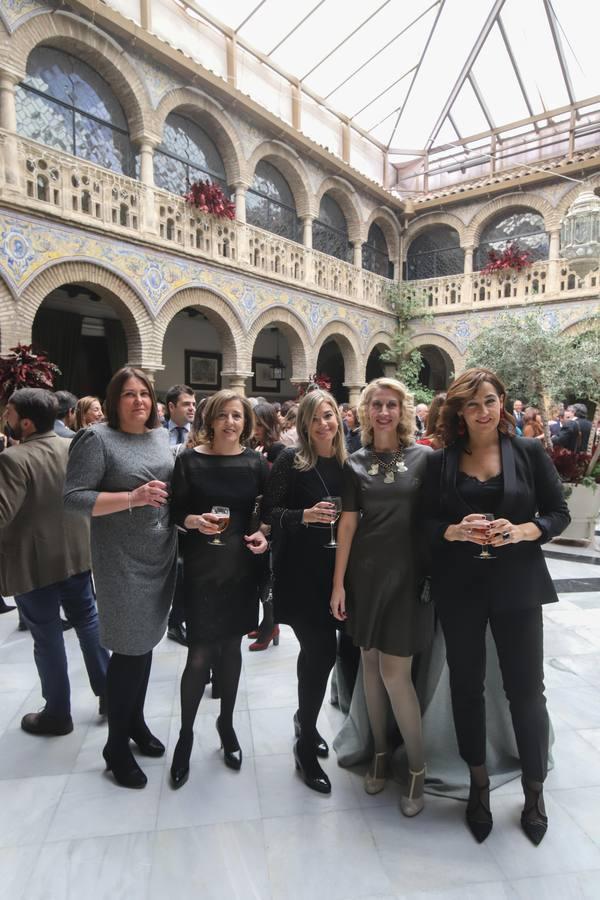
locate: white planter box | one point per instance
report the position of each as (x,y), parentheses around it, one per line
(584,506)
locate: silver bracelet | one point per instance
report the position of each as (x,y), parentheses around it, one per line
(129,501)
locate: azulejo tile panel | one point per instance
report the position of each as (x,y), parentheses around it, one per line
(28,246)
(14,12)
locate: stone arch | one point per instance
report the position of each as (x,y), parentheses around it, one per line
(431,339)
(347,199)
(135,318)
(293,330)
(515,200)
(9,322)
(390,226)
(291,167)
(418,226)
(211,116)
(67,32)
(347,340)
(589,322)
(218,312)
(592,183)
(380,338)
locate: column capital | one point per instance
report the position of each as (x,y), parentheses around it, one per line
(241,184)
(150,138)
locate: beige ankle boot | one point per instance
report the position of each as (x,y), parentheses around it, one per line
(411,805)
(376,774)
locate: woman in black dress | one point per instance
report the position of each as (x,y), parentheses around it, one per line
(488,492)
(220,582)
(303,565)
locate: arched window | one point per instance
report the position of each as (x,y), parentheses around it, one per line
(522,226)
(270,203)
(330,232)
(434,253)
(64,103)
(375,253)
(186,154)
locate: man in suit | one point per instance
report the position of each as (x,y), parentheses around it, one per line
(45,557)
(421,410)
(575,431)
(181,408)
(65,417)
(518,414)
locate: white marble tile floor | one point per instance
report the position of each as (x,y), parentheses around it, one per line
(66,830)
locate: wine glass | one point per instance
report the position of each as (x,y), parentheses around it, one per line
(222,512)
(485,553)
(337,502)
(160,511)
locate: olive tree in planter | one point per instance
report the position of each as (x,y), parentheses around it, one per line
(537,362)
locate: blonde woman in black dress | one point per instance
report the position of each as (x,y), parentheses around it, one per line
(377,579)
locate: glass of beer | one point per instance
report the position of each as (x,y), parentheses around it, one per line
(222,512)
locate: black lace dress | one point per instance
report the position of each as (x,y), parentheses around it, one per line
(221,584)
(302,564)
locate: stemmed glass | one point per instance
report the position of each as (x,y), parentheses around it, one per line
(160,511)
(485,553)
(222,512)
(337,502)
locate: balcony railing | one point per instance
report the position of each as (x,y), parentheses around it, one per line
(82,193)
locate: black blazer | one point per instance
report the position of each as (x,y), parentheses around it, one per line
(518,577)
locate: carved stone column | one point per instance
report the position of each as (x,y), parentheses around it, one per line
(236,381)
(146,147)
(554,262)
(354,392)
(8,121)
(240,200)
(468,270)
(307,234)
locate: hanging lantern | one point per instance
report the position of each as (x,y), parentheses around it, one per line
(277,366)
(580,233)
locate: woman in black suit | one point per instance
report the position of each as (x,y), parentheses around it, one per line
(489,492)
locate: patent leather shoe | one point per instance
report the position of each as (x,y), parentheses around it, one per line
(126,771)
(321,745)
(177,633)
(180,767)
(312,774)
(232,753)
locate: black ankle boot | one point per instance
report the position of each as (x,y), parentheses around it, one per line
(321,744)
(146,742)
(180,767)
(309,768)
(534,820)
(479,817)
(230,747)
(125,770)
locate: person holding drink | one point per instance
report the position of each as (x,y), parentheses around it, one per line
(215,489)
(491,501)
(301,504)
(118,474)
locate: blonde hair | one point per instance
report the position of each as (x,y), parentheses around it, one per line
(82,409)
(211,410)
(405,431)
(306,455)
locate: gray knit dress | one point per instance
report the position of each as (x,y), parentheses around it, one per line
(133,561)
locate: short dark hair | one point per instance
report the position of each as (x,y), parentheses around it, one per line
(113,396)
(175,392)
(37,404)
(580,410)
(213,407)
(66,402)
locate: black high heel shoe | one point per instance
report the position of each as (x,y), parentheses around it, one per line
(313,775)
(180,767)
(479,816)
(126,771)
(321,745)
(146,742)
(533,821)
(232,754)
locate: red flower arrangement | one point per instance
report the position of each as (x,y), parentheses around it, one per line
(512,257)
(322,381)
(21,368)
(573,466)
(209,198)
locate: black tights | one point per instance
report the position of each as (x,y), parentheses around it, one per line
(225,657)
(126,685)
(315,661)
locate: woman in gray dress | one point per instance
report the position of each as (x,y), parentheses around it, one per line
(376,581)
(118,474)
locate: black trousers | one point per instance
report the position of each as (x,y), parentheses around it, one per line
(518,636)
(315,662)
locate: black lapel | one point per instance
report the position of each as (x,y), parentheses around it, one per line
(455,501)
(509,474)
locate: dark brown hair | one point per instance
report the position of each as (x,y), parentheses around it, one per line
(460,391)
(266,415)
(113,397)
(214,405)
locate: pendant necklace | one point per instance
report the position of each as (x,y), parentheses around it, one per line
(389,467)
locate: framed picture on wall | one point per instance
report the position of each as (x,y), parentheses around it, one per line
(261,380)
(203,370)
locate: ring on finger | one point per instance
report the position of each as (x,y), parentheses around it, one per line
(506,535)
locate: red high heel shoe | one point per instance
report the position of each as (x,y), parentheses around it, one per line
(262,645)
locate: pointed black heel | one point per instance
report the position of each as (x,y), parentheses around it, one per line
(232,753)
(313,775)
(478,815)
(180,767)
(534,822)
(321,744)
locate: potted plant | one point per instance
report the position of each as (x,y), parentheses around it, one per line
(209,198)
(23,367)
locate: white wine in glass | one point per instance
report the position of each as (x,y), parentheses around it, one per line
(222,512)
(337,502)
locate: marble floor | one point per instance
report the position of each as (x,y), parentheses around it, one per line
(67,831)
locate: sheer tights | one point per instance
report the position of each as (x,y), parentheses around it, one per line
(386,676)
(225,657)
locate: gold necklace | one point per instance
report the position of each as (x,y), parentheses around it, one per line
(389,467)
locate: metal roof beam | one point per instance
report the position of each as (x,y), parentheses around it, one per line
(296,27)
(346,39)
(469,62)
(553,22)
(249,16)
(484,107)
(516,69)
(384,91)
